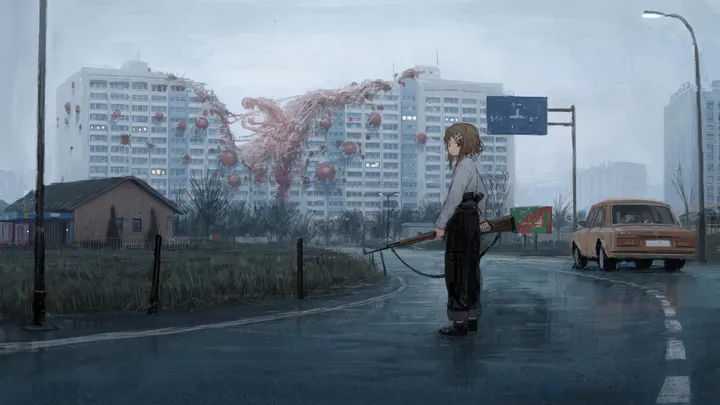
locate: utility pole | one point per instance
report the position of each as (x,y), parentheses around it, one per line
(387,196)
(572,125)
(39,293)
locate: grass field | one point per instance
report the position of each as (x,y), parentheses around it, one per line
(82,281)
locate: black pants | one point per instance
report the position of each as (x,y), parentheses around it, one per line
(462,261)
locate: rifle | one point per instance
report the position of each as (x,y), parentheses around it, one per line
(497,225)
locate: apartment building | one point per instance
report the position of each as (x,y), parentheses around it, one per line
(391,160)
(611,180)
(98,110)
(680,141)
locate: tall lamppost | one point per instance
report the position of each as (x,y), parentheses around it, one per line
(701,233)
(387,195)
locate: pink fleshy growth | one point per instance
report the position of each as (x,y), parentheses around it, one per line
(281,128)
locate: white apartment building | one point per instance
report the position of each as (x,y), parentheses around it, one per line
(89,138)
(394,161)
(389,158)
(680,141)
(611,180)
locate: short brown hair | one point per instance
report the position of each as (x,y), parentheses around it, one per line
(468,138)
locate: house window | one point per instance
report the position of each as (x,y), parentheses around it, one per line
(137,225)
(119,221)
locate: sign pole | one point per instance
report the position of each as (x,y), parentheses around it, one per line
(570,124)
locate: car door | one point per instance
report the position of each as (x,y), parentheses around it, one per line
(582,235)
(595,230)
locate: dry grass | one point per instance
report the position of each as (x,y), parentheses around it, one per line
(82,281)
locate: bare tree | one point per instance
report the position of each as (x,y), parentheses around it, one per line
(688,197)
(562,213)
(349,224)
(305,228)
(498,190)
(208,202)
(429,212)
(281,218)
(581,215)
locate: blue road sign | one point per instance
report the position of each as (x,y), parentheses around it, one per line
(517,115)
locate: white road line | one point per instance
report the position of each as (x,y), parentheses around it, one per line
(673,325)
(669,312)
(675,350)
(16,347)
(675,390)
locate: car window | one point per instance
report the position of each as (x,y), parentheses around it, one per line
(591,217)
(637,214)
(600,217)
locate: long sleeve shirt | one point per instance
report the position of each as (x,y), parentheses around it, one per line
(466,179)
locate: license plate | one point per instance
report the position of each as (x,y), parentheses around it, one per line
(657,243)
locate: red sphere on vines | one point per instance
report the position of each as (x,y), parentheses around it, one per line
(325,171)
(349,148)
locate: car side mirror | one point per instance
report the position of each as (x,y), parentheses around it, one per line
(582,223)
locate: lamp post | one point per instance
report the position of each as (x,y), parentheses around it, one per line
(701,233)
(387,195)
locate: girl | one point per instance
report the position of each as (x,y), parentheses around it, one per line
(460,216)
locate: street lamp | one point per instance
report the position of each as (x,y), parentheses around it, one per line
(701,233)
(387,195)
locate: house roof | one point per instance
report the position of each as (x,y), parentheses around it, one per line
(65,197)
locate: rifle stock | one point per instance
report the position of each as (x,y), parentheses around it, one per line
(497,225)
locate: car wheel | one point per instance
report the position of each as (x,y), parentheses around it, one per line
(643,264)
(605,263)
(580,261)
(674,264)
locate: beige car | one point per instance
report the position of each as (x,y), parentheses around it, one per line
(632,230)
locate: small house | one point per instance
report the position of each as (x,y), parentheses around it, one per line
(80,211)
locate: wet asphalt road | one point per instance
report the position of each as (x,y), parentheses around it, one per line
(548,335)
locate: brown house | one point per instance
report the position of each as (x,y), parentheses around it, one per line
(80,211)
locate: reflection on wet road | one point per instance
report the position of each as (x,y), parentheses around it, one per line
(548,335)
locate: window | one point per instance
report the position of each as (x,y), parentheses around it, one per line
(432,100)
(119,222)
(119,128)
(119,96)
(469,101)
(98,117)
(119,107)
(639,214)
(158,130)
(139,97)
(451,100)
(98,84)
(451,110)
(139,129)
(98,96)
(98,106)
(140,108)
(139,118)
(119,85)
(600,217)
(710,105)
(137,225)
(159,98)
(140,86)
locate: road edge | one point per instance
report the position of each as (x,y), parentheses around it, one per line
(25,346)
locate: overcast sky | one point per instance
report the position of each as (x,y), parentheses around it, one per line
(618,69)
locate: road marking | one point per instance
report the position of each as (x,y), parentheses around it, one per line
(669,312)
(673,325)
(675,350)
(17,347)
(675,390)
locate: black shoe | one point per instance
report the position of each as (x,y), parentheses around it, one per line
(457,329)
(472,325)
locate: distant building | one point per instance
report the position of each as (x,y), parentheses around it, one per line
(79,211)
(680,141)
(611,180)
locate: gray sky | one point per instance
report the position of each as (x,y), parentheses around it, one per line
(618,69)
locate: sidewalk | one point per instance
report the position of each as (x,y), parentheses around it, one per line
(83,325)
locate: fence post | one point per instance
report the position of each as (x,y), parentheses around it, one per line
(300,272)
(382,260)
(155,286)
